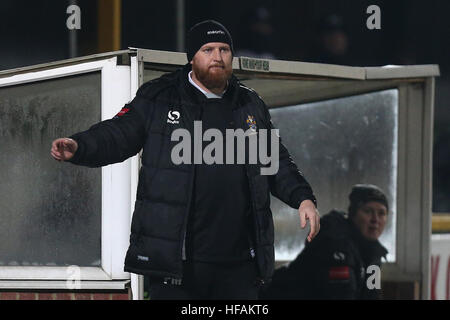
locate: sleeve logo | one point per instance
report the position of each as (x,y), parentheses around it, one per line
(123,111)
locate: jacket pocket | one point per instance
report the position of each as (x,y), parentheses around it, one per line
(161,220)
(261,192)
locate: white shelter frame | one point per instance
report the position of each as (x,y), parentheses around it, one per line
(116,193)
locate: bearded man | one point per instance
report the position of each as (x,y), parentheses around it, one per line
(199,231)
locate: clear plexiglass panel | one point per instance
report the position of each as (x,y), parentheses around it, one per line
(50,212)
(336,144)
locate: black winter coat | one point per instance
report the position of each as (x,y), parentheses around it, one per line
(333,266)
(164,193)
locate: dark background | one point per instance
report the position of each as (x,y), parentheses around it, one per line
(412,32)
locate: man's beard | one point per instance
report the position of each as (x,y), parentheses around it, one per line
(212,79)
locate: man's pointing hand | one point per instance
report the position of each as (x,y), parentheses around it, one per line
(63,149)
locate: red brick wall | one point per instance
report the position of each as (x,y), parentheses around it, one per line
(91,295)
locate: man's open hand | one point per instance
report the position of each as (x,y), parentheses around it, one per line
(308,211)
(63,149)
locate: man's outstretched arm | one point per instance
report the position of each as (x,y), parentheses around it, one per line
(109,141)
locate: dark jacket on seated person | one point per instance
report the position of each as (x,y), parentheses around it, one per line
(332,266)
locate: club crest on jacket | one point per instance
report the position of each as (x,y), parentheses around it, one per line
(251,122)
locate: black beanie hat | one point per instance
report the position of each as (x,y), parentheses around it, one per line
(204,32)
(363,193)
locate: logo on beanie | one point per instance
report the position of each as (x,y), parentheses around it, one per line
(215,32)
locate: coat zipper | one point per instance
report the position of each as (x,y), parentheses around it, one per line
(191,184)
(253,206)
(250,186)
